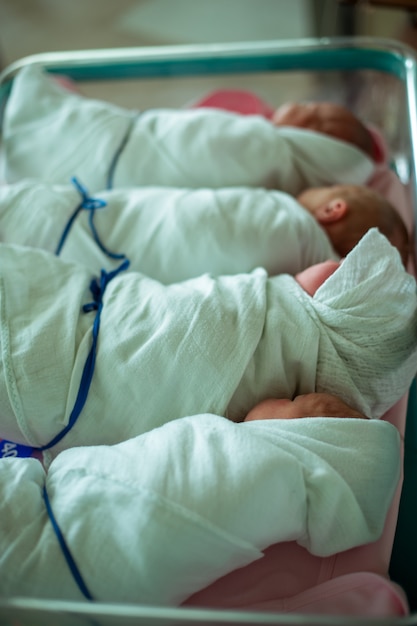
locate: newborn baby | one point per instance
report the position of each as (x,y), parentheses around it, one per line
(223,344)
(175,234)
(52,135)
(168,234)
(213,498)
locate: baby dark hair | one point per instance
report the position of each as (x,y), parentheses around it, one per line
(370,209)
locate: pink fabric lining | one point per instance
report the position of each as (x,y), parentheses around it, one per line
(353,594)
(362,593)
(236,101)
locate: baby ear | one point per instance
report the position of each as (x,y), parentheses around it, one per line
(332,211)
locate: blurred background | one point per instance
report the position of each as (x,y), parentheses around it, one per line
(31,26)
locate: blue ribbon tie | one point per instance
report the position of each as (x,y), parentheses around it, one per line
(97,289)
(76,574)
(90,204)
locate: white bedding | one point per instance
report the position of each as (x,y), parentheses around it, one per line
(168,234)
(154,528)
(52,135)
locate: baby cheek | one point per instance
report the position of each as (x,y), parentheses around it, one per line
(313,277)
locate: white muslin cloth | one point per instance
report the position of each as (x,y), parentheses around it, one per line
(156,518)
(52,135)
(168,234)
(214,344)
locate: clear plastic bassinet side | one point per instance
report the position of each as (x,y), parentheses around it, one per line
(377,80)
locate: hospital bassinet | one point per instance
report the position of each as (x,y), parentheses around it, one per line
(377,79)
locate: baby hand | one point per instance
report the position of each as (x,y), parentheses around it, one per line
(327,118)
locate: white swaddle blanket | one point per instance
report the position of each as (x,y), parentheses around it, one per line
(217,345)
(51,134)
(154,528)
(168,234)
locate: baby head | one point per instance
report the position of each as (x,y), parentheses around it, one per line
(347,212)
(327,118)
(307,405)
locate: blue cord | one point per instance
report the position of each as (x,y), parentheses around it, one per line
(88,203)
(97,289)
(115,160)
(65,549)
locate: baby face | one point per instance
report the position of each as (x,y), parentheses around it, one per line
(313,277)
(308,405)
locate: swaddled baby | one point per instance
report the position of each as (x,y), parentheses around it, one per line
(174,234)
(216,345)
(51,134)
(200,496)
(169,234)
